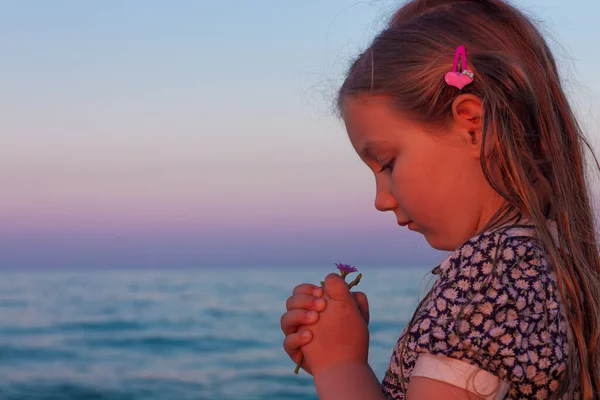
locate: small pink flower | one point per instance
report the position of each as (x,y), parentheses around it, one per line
(454,340)
(546,352)
(502,299)
(509,362)
(506,339)
(477,319)
(487,268)
(527,389)
(450,294)
(467,250)
(463,284)
(441,346)
(497,331)
(345,269)
(508,254)
(515,273)
(518,372)
(486,308)
(522,284)
(441,304)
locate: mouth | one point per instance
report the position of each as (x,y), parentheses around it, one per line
(404,223)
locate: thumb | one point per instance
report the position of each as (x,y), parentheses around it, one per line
(363,305)
(337,288)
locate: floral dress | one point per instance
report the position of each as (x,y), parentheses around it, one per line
(512,323)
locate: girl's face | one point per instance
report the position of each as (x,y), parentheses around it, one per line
(432,179)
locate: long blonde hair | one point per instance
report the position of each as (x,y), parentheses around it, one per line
(537,145)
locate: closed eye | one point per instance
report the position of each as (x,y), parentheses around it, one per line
(388,165)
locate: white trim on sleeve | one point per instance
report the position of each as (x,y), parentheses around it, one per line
(461,374)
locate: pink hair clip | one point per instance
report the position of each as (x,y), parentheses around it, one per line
(458,79)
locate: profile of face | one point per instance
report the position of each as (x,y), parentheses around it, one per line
(431,178)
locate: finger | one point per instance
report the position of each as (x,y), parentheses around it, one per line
(308,288)
(363,305)
(305,302)
(337,288)
(293,342)
(291,319)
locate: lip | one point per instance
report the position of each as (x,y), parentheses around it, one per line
(405,223)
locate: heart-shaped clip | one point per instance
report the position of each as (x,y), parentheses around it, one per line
(458,79)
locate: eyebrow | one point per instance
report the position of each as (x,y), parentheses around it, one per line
(368,148)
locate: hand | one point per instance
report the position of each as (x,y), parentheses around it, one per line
(302,308)
(305,297)
(341,334)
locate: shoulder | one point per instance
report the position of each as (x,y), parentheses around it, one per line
(492,273)
(505,258)
(497,274)
(496,306)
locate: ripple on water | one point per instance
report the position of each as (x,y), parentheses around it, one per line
(168,335)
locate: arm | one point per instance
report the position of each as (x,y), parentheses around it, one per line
(358,382)
(426,388)
(348,381)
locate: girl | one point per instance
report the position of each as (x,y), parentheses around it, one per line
(486,160)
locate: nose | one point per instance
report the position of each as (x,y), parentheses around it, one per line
(384,200)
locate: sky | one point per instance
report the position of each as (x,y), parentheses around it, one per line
(196,134)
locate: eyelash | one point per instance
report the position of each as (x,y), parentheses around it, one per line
(389,165)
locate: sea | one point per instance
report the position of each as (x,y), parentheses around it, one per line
(210,333)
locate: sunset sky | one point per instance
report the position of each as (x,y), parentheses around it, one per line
(199,134)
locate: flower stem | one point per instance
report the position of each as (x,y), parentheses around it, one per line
(299,365)
(355,281)
(350,286)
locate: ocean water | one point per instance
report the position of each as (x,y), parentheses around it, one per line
(172,334)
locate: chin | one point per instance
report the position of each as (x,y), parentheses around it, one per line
(438,244)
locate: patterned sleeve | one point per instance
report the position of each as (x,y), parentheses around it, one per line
(503,318)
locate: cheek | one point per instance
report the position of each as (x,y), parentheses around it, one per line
(427,185)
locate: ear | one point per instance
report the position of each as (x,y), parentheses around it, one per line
(467,115)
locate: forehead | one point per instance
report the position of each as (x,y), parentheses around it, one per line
(371,123)
(358,108)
